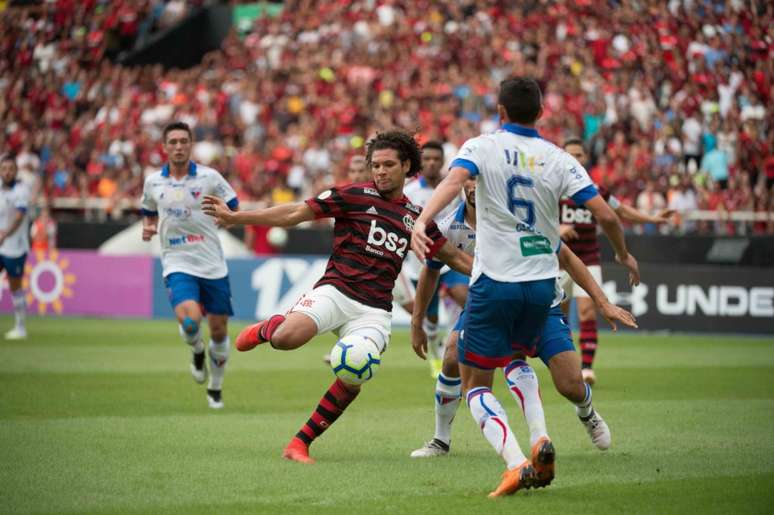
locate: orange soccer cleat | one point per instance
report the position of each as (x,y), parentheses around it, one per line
(297,451)
(543,457)
(520,478)
(252,335)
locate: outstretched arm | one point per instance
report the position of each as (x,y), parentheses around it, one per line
(611,225)
(581,275)
(285,215)
(455,258)
(428,280)
(630,214)
(444,193)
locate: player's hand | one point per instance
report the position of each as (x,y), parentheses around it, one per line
(419,340)
(634,269)
(663,216)
(420,243)
(567,233)
(148,231)
(216,207)
(613,314)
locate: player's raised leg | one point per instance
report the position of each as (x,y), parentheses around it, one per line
(184,297)
(448,389)
(565,372)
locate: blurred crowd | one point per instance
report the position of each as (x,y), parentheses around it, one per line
(672,99)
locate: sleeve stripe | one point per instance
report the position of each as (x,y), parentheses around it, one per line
(233,203)
(147,212)
(584,195)
(468,165)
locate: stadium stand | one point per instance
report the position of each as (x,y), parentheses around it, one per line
(675,109)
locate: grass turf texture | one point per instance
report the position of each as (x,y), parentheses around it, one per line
(102,416)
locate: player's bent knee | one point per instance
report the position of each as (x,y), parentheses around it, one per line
(190,326)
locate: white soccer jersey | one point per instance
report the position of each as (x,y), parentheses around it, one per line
(463,236)
(519,180)
(189,238)
(12,201)
(419,192)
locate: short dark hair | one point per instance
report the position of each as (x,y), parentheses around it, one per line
(572,141)
(400,141)
(8,157)
(433,145)
(177,126)
(521,98)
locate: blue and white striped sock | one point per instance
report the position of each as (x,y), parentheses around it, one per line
(447,400)
(584,409)
(491,418)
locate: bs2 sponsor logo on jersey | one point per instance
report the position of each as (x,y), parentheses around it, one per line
(575,215)
(378,237)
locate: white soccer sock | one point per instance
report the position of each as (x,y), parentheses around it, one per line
(447,400)
(523,384)
(491,418)
(194,340)
(218,358)
(19,307)
(584,408)
(434,342)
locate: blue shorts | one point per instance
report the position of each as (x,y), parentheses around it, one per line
(454,278)
(13,266)
(499,315)
(555,338)
(213,294)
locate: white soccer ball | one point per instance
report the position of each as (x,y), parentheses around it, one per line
(277,237)
(355,359)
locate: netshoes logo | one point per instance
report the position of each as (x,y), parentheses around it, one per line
(186,239)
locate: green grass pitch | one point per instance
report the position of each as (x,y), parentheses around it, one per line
(101,416)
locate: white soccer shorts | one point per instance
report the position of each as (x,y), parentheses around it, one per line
(333,311)
(572,290)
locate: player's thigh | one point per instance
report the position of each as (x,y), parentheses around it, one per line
(556,336)
(373,323)
(14,269)
(188,309)
(216,296)
(535,308)
(295,331)
(456,284)
(183,289)
(403,292)
(586,309)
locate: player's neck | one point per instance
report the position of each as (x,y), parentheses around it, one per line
(178,171)
(432,182)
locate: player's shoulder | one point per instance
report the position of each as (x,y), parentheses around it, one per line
(154,178)
(207,172)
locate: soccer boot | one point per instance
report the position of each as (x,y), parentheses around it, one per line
(199,367)
(543,457)
(589,377)
(431,449)
(597,430)
(297,451)
(215,399)
(252,335)
(17,333)
(520,478)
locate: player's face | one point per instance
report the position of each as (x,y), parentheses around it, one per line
(432,161)
(577,152)
(388,171)
(358,172)
(178,147)
(470,192)
(8,171)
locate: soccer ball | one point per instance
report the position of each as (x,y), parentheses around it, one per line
(355,359)
(277,237)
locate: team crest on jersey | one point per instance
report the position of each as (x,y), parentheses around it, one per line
(413,208)
(371,191)
(408,222)
(196,193)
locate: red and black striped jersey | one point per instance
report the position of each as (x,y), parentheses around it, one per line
(371,237)
(586,247)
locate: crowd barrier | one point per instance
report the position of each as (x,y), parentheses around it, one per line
(676,297)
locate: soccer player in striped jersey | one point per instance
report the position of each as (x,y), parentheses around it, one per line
(520,179)
(372,230)
(578,230)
